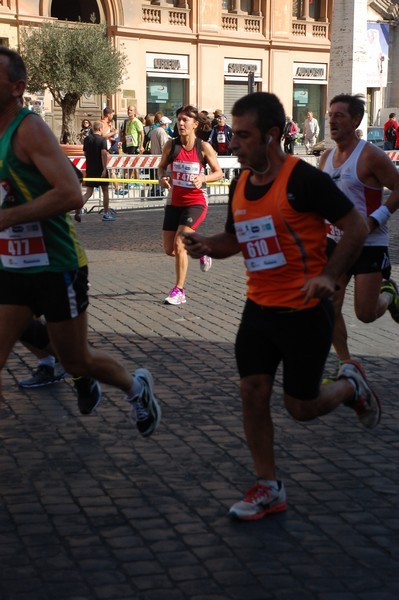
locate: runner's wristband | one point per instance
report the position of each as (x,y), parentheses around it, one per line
(381,215)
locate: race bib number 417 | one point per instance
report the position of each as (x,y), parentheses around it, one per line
(259,244)
(22,246)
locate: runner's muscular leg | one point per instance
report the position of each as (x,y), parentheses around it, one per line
(369,303)
(69,341)
(340,334)
(329,398)
(14,320)
(181,256)
(105,191)
(168,238)
(255,393)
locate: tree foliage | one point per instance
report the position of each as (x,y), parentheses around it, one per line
(71,59)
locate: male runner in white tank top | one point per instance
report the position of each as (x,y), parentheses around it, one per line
(361,171)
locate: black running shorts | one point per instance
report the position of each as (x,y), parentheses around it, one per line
(373,259)
(189,216)
(57,296)
(299,339)
(36,335)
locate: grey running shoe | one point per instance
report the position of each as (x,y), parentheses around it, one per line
(146,412)
(108,216)
(365,402)
(89,393)
(43,375)
(390,287)
(259,501)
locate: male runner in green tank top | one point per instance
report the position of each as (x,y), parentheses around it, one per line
(43,267)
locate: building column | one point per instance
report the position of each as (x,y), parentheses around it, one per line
(348,54)
(256,8)
(305,10)
(236,6)
(324,11)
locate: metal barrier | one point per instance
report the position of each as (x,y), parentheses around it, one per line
(129,191)
(134,180)
(394,156)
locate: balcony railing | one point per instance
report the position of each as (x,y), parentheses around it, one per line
(247,23)
(6,4)
(163,15)
(315,29)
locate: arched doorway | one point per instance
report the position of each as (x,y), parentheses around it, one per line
(86,11)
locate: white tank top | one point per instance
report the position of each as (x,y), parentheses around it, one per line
(366,199)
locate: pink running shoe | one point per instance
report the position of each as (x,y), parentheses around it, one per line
(176,296)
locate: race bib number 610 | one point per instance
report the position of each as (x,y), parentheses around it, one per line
(259,244)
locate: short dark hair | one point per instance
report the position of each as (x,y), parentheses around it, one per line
(267,108)
(356,104)
(392,115)
(16,69)
(108,111)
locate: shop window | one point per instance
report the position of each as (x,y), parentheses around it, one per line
(166,94)
(309,97)
(5,42)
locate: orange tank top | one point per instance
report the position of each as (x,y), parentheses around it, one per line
(282,248)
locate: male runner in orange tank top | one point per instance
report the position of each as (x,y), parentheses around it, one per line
(276,218)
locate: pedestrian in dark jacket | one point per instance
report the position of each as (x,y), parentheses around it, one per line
(290,134)
(221,136)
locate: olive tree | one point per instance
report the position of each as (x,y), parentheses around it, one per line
(71,59)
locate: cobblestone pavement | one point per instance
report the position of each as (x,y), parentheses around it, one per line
(90,510)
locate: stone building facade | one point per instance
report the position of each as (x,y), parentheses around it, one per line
(199,51)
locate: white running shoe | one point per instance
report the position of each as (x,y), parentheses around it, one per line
(365,403)
(259,501)
(205,263)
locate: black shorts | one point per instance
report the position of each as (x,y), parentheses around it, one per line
(96,184)
(300,339)
(57,296)
(36,335)
(131,150)
(93,184)
(373,259)
(190,216)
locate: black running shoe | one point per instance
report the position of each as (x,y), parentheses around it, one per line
(146,412)
(89,393)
